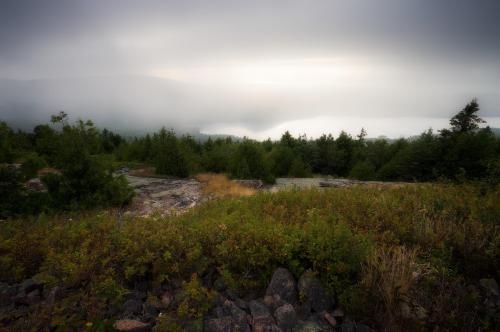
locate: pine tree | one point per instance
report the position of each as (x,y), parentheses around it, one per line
(169,159)
(467,120)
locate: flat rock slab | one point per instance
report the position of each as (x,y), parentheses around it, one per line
(164,196)
(131,325)
(303,183)
(159,196)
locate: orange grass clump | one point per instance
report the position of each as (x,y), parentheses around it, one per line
(219,185)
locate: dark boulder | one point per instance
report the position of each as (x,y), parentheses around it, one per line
(33,297)
(54,294)
(490,287)
(350,326)
(29,285)
(261,317)
(7,294)
(238,315)
(311,326)
(222,324)
(132,307)
(166,299)
(282,288)
(258,309)
(286,317)
(313,294)
(150,311)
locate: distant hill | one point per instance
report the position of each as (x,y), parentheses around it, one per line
(130,103)
(117,102)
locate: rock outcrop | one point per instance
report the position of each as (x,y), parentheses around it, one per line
(281,309)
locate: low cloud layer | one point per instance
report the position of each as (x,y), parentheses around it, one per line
(251,67)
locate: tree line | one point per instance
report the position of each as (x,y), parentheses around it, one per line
(83,158)
(463,151)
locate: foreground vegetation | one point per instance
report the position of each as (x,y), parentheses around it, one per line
(405,257)
(379,251)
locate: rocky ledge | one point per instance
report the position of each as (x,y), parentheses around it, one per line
(163,196)
(286,306)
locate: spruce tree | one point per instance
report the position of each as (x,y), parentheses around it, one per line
(169,159)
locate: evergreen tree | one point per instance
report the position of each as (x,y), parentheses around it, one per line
(85,179)
(248,162)
(169,158)
(467,119)
(6,142)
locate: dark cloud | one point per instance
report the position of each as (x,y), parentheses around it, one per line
(404,58)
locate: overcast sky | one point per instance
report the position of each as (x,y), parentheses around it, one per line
(256,68)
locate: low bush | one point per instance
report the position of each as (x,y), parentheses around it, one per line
(373,248)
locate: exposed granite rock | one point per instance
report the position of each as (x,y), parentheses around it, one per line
(282,288)
(286,317)
(131,325)
(313,294)
(163,196)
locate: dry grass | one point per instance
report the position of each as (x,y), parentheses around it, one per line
(389,275)
(219,185)
(47,170)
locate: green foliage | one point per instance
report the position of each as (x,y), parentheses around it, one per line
(11,191)
(169,158)
(336,252)
(360,242)
(84,178)
(467,154)
(15,199)
(45,142)
(195,299)
(467,119)
(460,153)
(216,158)
(87,183)
(6,148)
(248,162)
(363,170)
(299,169)
(31,164)
(282,158)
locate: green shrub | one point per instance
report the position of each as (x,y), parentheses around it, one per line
(169,158)
(15,199)
(299,169)
(31,165)
(335,252)
(365,244)
(248,162)
(89,184)
(363,170)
